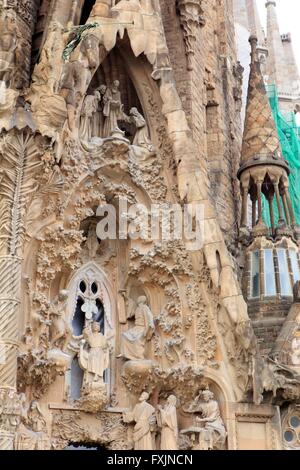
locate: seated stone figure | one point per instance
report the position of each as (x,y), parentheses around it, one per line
(208,423)
(31,434)
(134,340)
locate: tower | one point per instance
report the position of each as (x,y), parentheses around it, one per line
(272,251)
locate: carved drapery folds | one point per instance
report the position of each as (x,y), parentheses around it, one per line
(191,18)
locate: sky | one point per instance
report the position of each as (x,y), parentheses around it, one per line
(288,14)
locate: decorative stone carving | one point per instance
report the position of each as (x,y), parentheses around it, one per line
(191,17)
(11,406)
(88,112)
(134,340)
(94,360)
(208,430)
(8,45)
(60,331)
(143,415)
(167,421)
(112,108)
(141,138)
(32,432)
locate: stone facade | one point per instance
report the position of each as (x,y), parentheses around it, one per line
(130,342)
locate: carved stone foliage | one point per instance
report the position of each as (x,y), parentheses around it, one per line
(105,429)
(35,372)
(20,164)
(191,18)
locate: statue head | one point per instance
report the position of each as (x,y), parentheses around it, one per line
(63,294)
(95,327)
(102,89)
(116,83)
(207,395)
(172,400)
(142,299)
(133,111)
(144,396)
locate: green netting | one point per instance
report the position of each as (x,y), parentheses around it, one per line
(289,135)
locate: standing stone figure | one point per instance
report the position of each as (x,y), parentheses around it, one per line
(134,340)
(88,112)
(112,109)
(98,119)
(143,415)
(95,360)
(167,420)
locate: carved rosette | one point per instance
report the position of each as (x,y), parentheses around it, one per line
(191,18)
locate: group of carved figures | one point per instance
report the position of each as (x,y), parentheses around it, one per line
(102,111)
(27,424)
(207,432)
(94,349)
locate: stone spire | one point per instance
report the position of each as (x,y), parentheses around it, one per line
(263,170)
(276,64)
(246,14)
(260,135)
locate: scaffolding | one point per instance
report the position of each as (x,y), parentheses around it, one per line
(289,136)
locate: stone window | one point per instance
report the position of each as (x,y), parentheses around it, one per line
(294,265)
(291,429)
(269,273)
(284,276)
(255,272)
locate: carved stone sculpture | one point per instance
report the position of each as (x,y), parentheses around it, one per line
(167,421)
(141,138)
(60,331)
(94,360)
(112,109)
(70,84)
(98,119)
(143,415)
(208,424)
(88,111)
(134,340)
(32,432)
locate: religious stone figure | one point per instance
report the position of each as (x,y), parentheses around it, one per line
(95,360)
(70,84)
(134,340)
(167,421)
(88,111)
(60,331)
(208,422)
(143,415)
(98,119)
(112,108)
(141,138)
(32,433)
